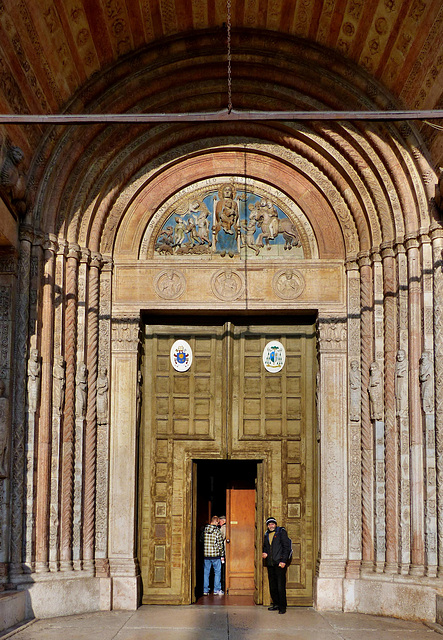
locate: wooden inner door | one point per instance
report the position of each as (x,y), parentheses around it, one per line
(240,552)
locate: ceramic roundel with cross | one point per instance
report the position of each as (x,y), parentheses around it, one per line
(181,355)
(274,356)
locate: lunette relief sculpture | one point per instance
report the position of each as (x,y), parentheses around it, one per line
(375,390)
(354,391)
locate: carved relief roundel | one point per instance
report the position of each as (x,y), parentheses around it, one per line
(288,284)
(170,284)
(227,284)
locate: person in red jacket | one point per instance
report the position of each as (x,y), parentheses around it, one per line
(276,551)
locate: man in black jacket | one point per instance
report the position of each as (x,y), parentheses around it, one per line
(276,550)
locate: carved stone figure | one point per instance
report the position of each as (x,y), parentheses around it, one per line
(13,180)
(375,390)
(4,431)
(401,383)
(34,370)
(354,391)
(58,374)
(439,191)
(102,394)
(81,390)
(425,374)
(139,396)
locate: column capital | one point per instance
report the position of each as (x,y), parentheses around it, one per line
(126,333)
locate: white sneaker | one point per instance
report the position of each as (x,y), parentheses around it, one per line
(219,593)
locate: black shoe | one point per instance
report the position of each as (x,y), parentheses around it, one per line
(273,607)
(282,611)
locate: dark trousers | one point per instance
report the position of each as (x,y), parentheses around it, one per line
(277,586)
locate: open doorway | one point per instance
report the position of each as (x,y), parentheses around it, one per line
(228,487)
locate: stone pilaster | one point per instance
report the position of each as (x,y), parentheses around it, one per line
(437,249)
(332,344)
(367,442)
(391,433)
(19,403)
(102,458)
(354,422)
(122,498)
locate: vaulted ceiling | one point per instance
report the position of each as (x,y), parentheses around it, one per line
(50,48)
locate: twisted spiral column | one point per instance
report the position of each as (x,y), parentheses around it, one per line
(391,435)
(69,412)
(367,440)
(91,414)
(44,431)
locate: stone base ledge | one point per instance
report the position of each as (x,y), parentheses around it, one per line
(12,609)
(65,596)
(387,597)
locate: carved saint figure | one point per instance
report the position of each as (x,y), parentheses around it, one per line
(81,390)
(226,222)
(401,383)
(58,374)
(102,393)
(13,180)
(139,395)
(425,374)
(34,369)
(4,431)
(375,390)
(354,391)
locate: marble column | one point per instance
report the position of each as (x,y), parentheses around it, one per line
(44,431)
(70,348)
(91,414)
(333,491)
(123,564)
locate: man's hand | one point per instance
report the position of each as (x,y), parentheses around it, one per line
(264,555)
(282,564)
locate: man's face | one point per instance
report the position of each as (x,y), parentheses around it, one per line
(271,526)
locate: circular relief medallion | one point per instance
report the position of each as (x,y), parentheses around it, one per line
(181,355)
(170,284)
(274,356)
(288,284)
(227,284)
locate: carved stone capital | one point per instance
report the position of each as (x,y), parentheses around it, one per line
(63,248)
(96,260)
(125,334)
(351,265)
(107,264)
(364,260)
(332,334)
(26,232)
(74,251)
(85,255)
(411,242)
(50,245)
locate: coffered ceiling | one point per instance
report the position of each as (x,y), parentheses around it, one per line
(49,49)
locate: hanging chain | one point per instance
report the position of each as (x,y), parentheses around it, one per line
(228,25)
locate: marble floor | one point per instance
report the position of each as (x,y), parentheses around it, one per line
(220,622)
